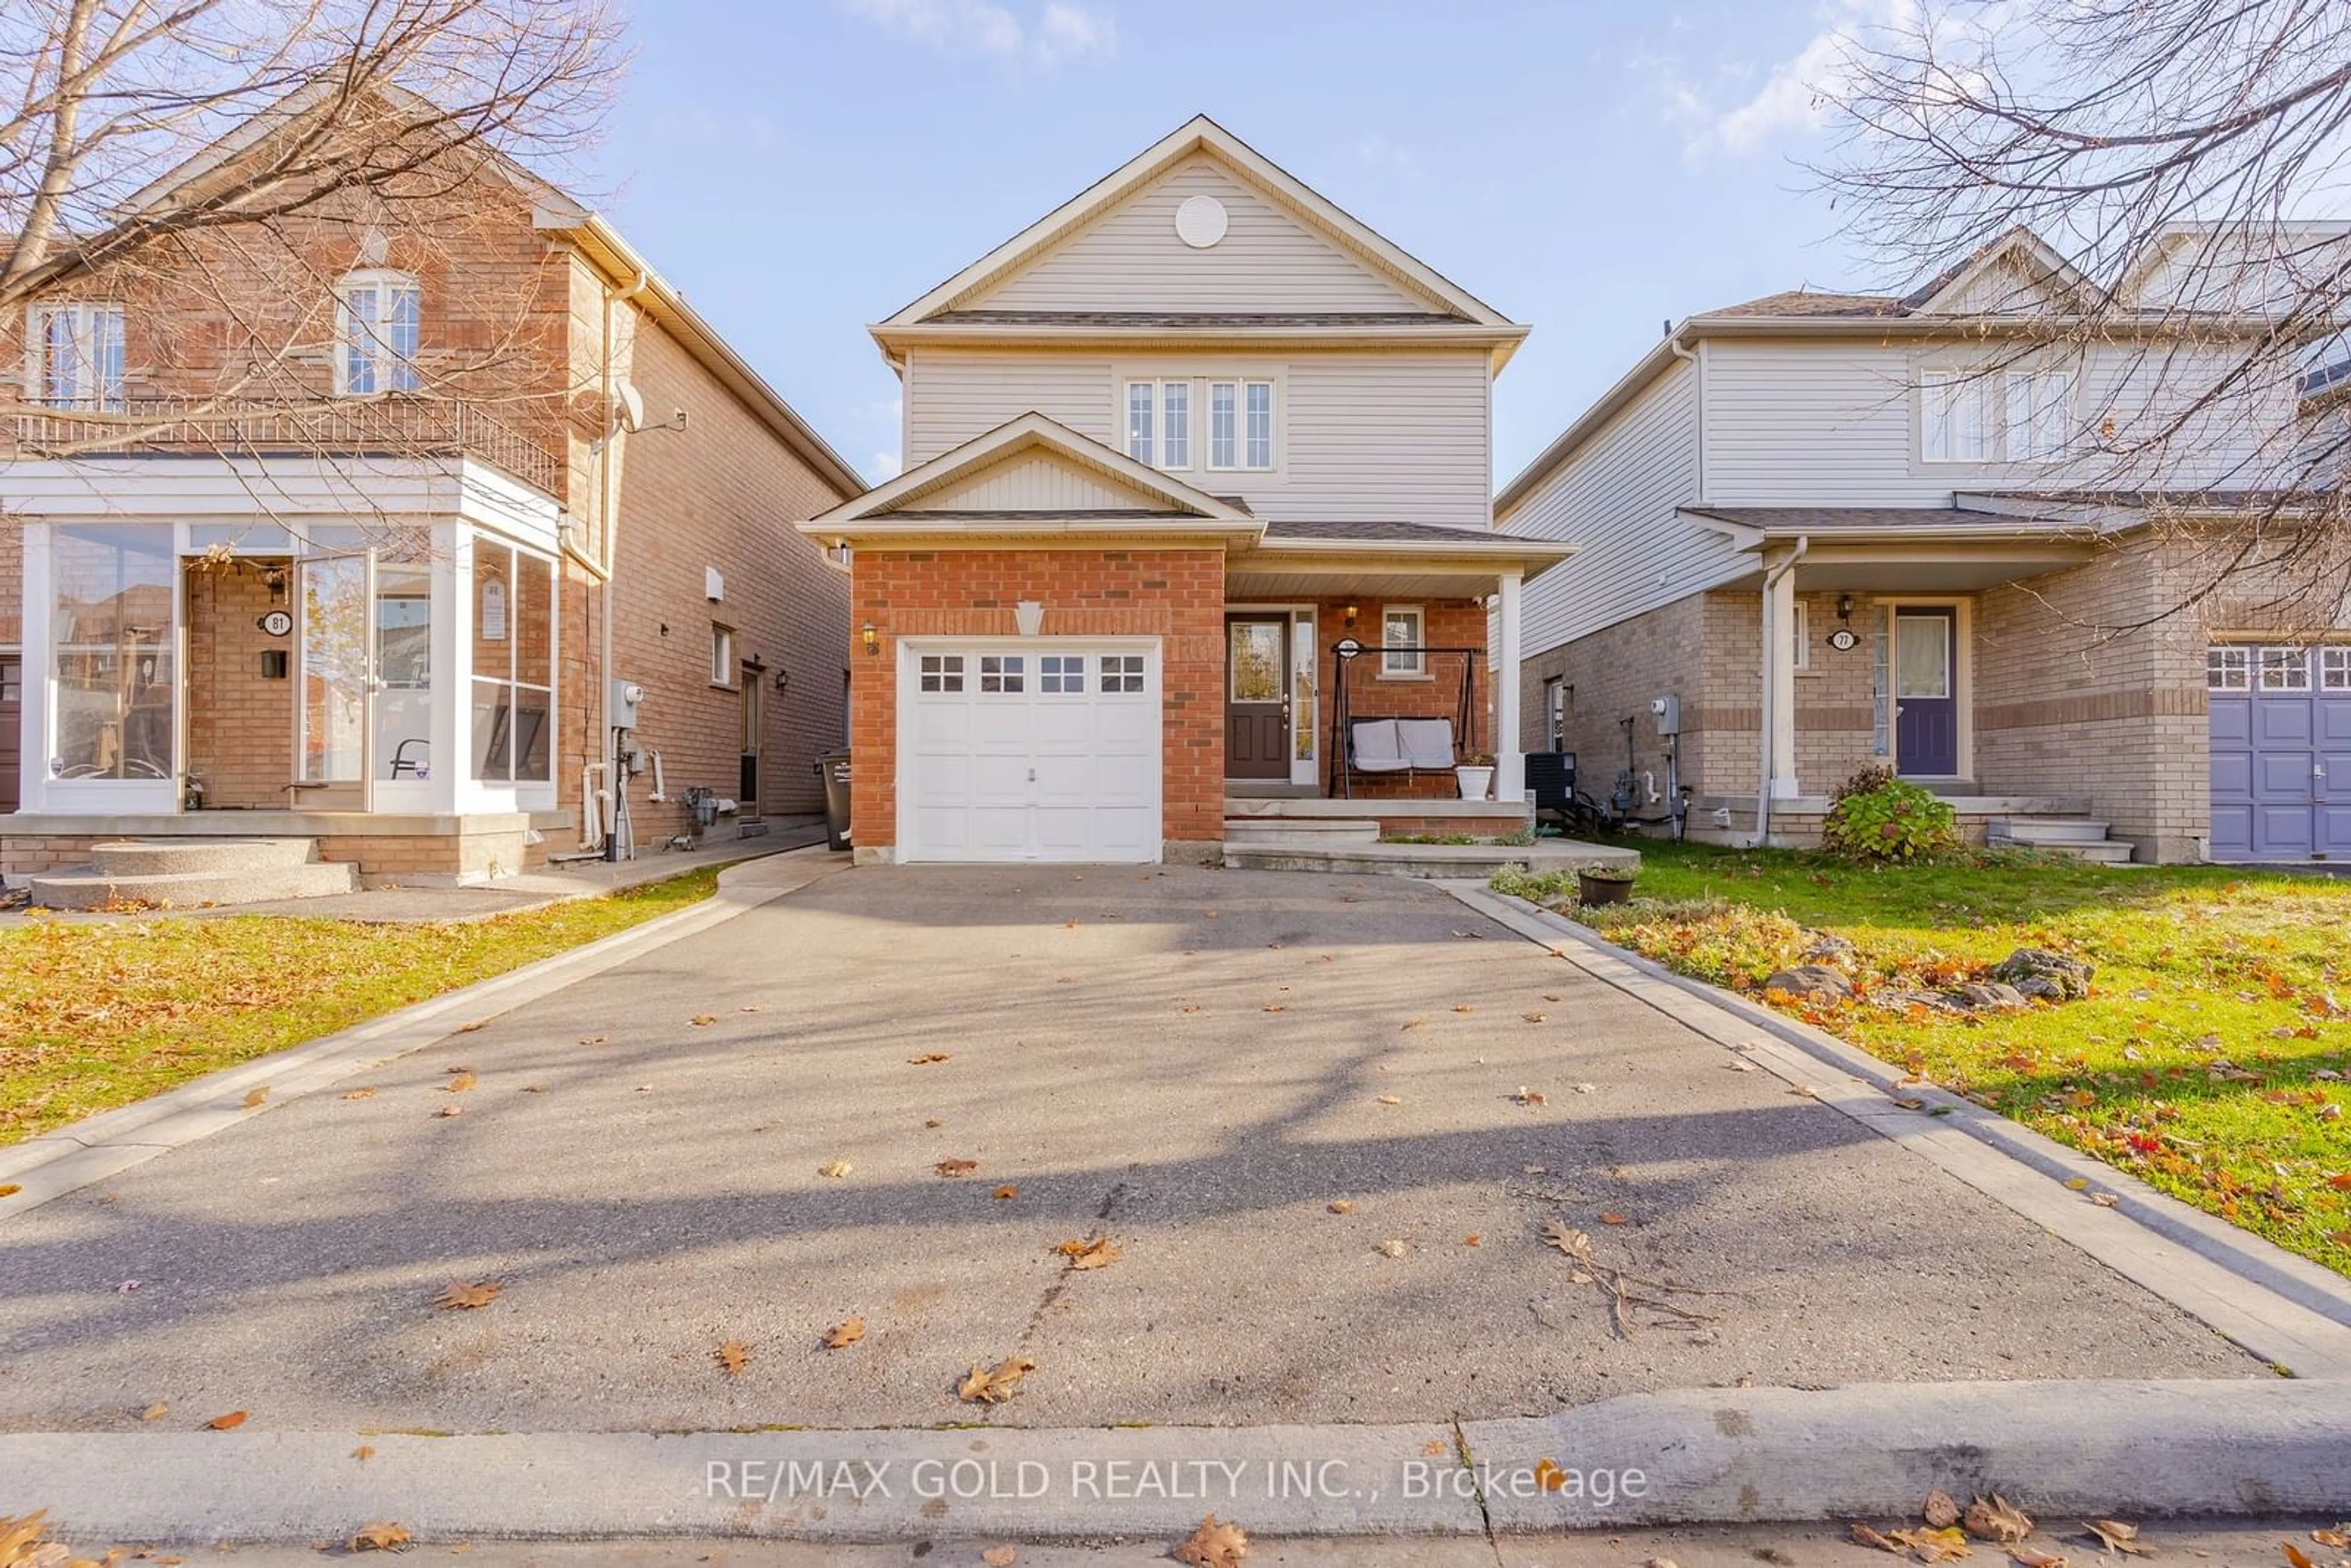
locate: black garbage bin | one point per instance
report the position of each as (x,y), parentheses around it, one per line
(833,768)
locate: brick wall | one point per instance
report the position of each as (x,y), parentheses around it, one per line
(1612,675)
(240,725)
(1176,594)
(1447,624)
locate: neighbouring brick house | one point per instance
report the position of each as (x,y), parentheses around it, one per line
(1843,530)
(1197,477)
(350,530)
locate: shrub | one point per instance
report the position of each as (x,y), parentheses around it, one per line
(1877,817)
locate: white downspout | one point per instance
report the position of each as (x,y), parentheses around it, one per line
(1774,639)
(606,521)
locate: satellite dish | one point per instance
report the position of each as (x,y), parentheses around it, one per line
(631,412)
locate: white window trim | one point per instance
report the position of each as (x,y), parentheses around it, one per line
(722,656)
(85,315)
(2340,657)
(2015,383)
(1802,632)
(1555,713)
(1197,378)
(1997,391)
(1418,671)
(1241,385)
(385,281)
(2244,667)
(1932,380)
(1151,444)
(2293,659)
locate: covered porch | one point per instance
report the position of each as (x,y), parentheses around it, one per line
(1371,672)
(360,654)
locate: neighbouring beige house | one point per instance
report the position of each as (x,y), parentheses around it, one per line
(1192,541)
(1839,531)
(414,549)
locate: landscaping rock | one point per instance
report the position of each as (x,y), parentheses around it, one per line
(1989,997)
(2071,976)
(2039,989)
(1903,1001)
(1827,947)
(1813,982)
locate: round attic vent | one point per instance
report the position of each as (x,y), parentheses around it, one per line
(1200,221)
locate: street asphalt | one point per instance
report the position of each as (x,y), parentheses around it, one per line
(1197,1064)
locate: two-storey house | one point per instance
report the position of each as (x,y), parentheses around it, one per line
(1194,509)
(1947,533)
(425,539)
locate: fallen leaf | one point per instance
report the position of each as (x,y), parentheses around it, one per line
(2339,1537)
(2295,1554)
(2077,1184)
(835,1168)
(365,1091)
(928,1056)
(1214,1545)
(1390,1100)
(460,1084)
(462,1295)
(1861,1535)
(259,1098)
(1463,1007)
(1008,1191)
(1094,1252)
(450,1111)
(227,1423)
(2105,1199)
(1432,1447)
(956,1167)
(2025,1557)
(1572,1242)
(1935,1545)
(381,1536)
(1536,1017)
(1413,1023)
(1661,1563)
(156,1411)
(2117,1536)
(1532,1096)
(1341,1206)
(995,1384)
(1391,1247)
(1472,1239)
(702,1021)
(469,1028)
(844,1334)
(1276,1006)
(1994,1518)
(594,1039)
(1534,1170)
(363,1452)
(1549,1476)
(534,1088)
(11,1188)
(2340,1181)
(933,1121)
(1553,997)
(1000,1556)
(1613,1218)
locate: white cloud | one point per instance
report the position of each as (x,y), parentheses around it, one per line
(1062,31)
(885,465)
(1796,95)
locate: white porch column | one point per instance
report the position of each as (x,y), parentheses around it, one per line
(1510,758)
(1780,677)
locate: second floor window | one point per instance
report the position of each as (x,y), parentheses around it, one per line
(1159,422)
(2040,416)
(376,318)
(1240,424)
(1953,426)
(1967,414)
(74,355)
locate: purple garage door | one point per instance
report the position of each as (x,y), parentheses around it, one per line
(2281,726)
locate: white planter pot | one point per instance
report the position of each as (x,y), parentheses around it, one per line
(1475,782)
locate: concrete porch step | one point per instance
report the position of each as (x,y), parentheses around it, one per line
(165,857)
(2050,831)
(185,889)
(1302,853)
(1321,829)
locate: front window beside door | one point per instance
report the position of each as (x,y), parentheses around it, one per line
(1403,651)
(112,635)
(513,664)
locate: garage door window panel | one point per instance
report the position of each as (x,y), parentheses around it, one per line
(942,672)
(1004,674)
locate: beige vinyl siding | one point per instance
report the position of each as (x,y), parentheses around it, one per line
(1616,499)
(1031,485)
(952,397)
(1390,436)
(1130,260)
(1831,423)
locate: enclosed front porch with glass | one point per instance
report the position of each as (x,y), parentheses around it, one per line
(266,676)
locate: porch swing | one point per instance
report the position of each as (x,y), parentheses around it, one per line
(1379,747)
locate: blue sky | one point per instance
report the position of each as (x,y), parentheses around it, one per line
(800,168)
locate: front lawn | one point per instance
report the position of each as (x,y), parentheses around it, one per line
(2210,1059)
(109,1012)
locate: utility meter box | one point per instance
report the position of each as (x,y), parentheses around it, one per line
(1668,712)
(622,705)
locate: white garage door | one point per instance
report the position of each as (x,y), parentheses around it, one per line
(1043,749)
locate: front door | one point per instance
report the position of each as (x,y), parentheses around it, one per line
(1925,694)
(1257,697)
(12,710)
(755,721)
(334,660)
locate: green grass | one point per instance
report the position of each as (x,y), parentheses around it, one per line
(111,1012)
(2209,1060)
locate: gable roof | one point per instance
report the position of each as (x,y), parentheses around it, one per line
(1447,301)
(2018,246)
(1150,501)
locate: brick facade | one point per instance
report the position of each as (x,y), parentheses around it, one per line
(1174,593)
(240,723)
(1447,624)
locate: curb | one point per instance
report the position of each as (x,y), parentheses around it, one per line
(104,1145)
(2283,1308)
(2130,1448)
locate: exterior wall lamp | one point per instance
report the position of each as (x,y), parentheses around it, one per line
(783,680)
(1844,606)
(872,638)
(1349,613)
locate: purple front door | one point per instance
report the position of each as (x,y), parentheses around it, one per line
(2281,753)
(1925,694)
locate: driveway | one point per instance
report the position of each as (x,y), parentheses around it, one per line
(1200,1064)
